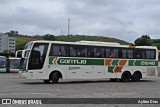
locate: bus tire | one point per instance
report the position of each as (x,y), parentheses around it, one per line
(136,76)
(46,81)
(126,76)
(55,77)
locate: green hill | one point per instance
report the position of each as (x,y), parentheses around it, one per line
(73,38)
(21,41)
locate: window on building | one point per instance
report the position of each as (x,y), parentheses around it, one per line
(11,50)
(11,39)
(11,46)
(11,43)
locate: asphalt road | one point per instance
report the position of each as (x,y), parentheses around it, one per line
(13,86)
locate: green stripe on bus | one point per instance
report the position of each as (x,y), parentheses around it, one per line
(110,69)
(97,61)
(130,63)
(115,62)
(142,63)
(75,61)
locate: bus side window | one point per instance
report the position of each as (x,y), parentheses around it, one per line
(59,50)
(90,51)
(150,54)
(113,53)
(99,52)
(127,53)
(139,53)
(72,51)
(55,50)
(107,52)
(130,53)
(64,50)
(81,51)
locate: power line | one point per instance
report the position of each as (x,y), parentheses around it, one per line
(68,26)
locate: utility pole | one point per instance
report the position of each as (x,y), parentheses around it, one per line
(61,31)
(68,26)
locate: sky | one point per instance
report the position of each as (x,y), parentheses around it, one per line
(122,19)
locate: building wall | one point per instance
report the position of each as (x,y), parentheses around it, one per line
(3,42)
(11,44)
(7,43)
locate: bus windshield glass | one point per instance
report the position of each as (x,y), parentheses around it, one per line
(23,62)
(28,45)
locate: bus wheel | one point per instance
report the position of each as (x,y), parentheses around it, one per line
(126,76)
(136,76)
(55,78)
(46,81)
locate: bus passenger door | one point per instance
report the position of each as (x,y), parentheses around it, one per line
(37,68)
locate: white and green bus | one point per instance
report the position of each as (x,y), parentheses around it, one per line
(54,60)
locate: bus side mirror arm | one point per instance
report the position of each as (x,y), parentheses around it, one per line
(23,55)
(18,52)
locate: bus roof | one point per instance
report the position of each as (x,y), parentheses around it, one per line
(14,58)
(2,57)
(94,43)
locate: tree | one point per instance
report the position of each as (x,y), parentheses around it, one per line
(49,37)
(12,33)
(7,53)
(144,40)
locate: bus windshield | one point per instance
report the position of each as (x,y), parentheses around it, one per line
(37,56)
(23,62)
(34,55)
(28,46)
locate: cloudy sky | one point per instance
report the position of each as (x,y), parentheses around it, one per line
(122,19)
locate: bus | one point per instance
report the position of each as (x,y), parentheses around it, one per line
(2,64)
(54,60)
(14,64)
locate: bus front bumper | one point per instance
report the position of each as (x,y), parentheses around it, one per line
(23,74)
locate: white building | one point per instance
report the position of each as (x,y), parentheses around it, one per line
(7,43)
